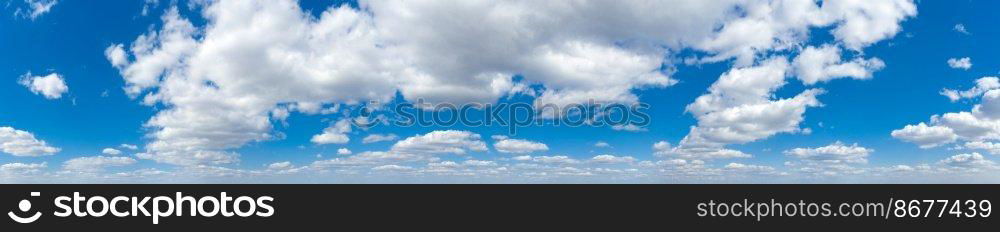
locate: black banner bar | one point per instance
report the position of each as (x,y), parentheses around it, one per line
(479,207)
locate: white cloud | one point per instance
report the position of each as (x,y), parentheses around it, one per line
(344,151)
(960,28)
(111,151)
(392,167)
(741,106)
(926,136)
(867,22)
(602,144)
(611,159)
(189,158)
(23,143)
(559,159)
(992,148)
(417,148)
(36,8)
(749,168)
(116,55)
(822,64)
(51,86)
(286,165)
(479,163)
(837,152)
(627,127)
(982,123)
(335,134)
(374,138)
(220,82)
(739,109)
(129,146)
(22,168)
(960,63)
(441,142)
(969,161)
(369,158)
(518,146)
(96,163)
(982,85)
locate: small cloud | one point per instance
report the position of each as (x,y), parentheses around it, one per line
(335,134)
(36,8)
(960,28)
(960,63)
(52,86)
(374,138)
(129,146)
(111,151)
(628,127)
(602,144)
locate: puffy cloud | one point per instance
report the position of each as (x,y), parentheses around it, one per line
(960,28)
(111,151)
(22,168)
(902,168)
(611,159)
(836,159)
(129,146)
(335,134)
(417,148)
(374,138)
(285,167)
(392,168)
(665,150)
(982,85)
(740,106)
(23,143)
(280,166)
(960,63)
(627,127)
(52,86)
(926,136)
(116,55)
(973,161)
(553,43)
(218,83)
(441,142)
(96,163)
(369,158)
(190,157)
(823,169)
(479,163)
(749,168)
(778,25)
(559,159)
(992,148)
(822,64)
(833,153)
(867,22)
(518,146)
(602,144)
(344,151)
(982,123)
(739,109)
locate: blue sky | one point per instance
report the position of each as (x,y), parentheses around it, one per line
(72,39)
